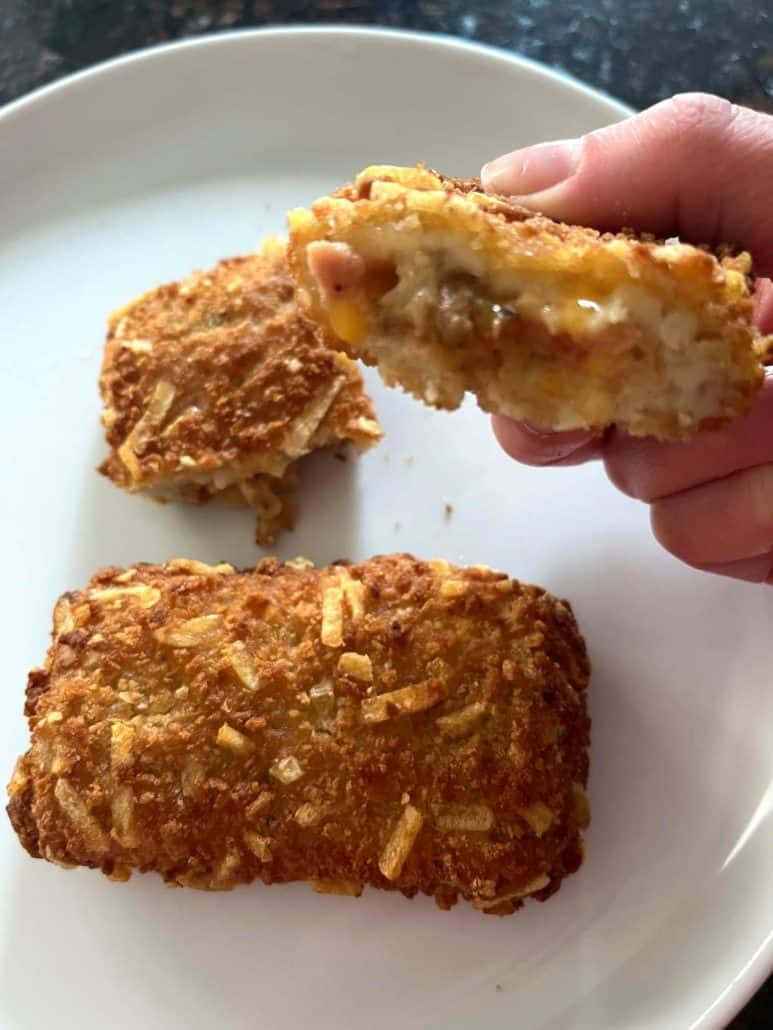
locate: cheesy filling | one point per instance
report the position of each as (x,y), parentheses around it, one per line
(445,292)
(591,352)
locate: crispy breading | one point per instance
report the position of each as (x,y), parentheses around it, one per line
(194,721)
(216,386)
(448,289)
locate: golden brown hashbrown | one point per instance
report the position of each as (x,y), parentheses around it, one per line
(215,386)
(398,723)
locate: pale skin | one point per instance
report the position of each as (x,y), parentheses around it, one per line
(700,168)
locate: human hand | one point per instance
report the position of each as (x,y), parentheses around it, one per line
(700,168)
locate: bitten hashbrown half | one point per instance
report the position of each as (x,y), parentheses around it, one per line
(447,289)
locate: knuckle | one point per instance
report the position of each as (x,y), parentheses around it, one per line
(691,122)
(699,115)
(698,110)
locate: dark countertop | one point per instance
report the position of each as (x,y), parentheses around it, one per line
(638,50)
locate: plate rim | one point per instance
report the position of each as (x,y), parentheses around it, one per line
(759,965)
(440,40)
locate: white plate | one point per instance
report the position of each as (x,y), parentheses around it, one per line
(135,173)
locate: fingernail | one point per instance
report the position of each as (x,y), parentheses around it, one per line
(532,169)
(555,446)
(534,429)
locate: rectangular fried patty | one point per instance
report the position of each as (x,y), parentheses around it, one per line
(398,723)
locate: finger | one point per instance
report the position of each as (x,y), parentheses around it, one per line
(753,570)
(763,305)
(648,469)
(723,521)
(695,166)
(532,445)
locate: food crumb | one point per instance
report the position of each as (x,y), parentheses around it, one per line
(397,525)
(449,509)
(499,987)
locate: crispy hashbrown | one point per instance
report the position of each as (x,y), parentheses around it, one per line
(215,386)
(398,723)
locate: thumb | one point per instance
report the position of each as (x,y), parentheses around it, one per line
(695,166)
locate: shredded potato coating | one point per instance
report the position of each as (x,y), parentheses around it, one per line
(260,725)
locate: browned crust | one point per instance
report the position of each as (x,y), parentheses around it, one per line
(508,210)
(20,812)
(249,382)
(130,765)
(505,208)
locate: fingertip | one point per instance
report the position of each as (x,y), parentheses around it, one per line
(723,520)
(632,464)
(763,308)
(752,570)
(534,445)
(666,529)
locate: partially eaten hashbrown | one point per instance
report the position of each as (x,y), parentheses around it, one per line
(448,289)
